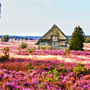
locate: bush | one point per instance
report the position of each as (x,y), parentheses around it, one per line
(4,57)
(5,38)
(87,40)
(79,69)
(66,51)
(19,49)
(6,53)
(42,47)
(31,50)
(23,45)
(30,66)
(47,47)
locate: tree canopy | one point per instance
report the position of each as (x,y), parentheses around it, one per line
(77,39)
(5,38)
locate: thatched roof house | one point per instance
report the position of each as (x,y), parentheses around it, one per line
(54,38)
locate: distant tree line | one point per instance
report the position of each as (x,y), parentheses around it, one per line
(5,38)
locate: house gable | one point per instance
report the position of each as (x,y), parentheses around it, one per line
(53,31)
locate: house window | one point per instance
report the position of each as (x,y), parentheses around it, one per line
(43,42)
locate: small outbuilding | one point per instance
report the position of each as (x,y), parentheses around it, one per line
(55,39)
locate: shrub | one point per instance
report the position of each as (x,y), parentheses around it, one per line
(19,49)
(87,40)
(30,66)
(4,57)
(47,47)
(6,50)
(55,76)
(31,50)
(42,47)
(67,50)
(6,53)
(5,38)
(23,45)
(79,69)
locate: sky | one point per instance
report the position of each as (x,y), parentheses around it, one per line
(36,17)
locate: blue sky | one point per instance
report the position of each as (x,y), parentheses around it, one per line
(36,17)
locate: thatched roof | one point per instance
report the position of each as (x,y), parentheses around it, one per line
(53,31)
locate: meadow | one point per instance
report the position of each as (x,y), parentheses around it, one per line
(43,69)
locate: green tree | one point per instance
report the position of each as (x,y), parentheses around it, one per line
(5,38)
(77,39)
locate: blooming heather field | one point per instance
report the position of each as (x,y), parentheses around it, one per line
(14,44)
(44,69)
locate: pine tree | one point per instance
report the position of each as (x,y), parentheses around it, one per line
(77,39)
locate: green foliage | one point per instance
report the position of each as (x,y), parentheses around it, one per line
(47,47)
(6,53)
(87,40)
(67,51)
(49,72)
(77,39)
(41,85)
(28,71)
(19,49)
(6,50)
(79,69)
(53,74)
(62,70)
(4,57)
(60,65)
(42,47)
(50,80)
(31,50)
(55,77)
(44,74)
(23,45)
(30,66)
(5,38)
